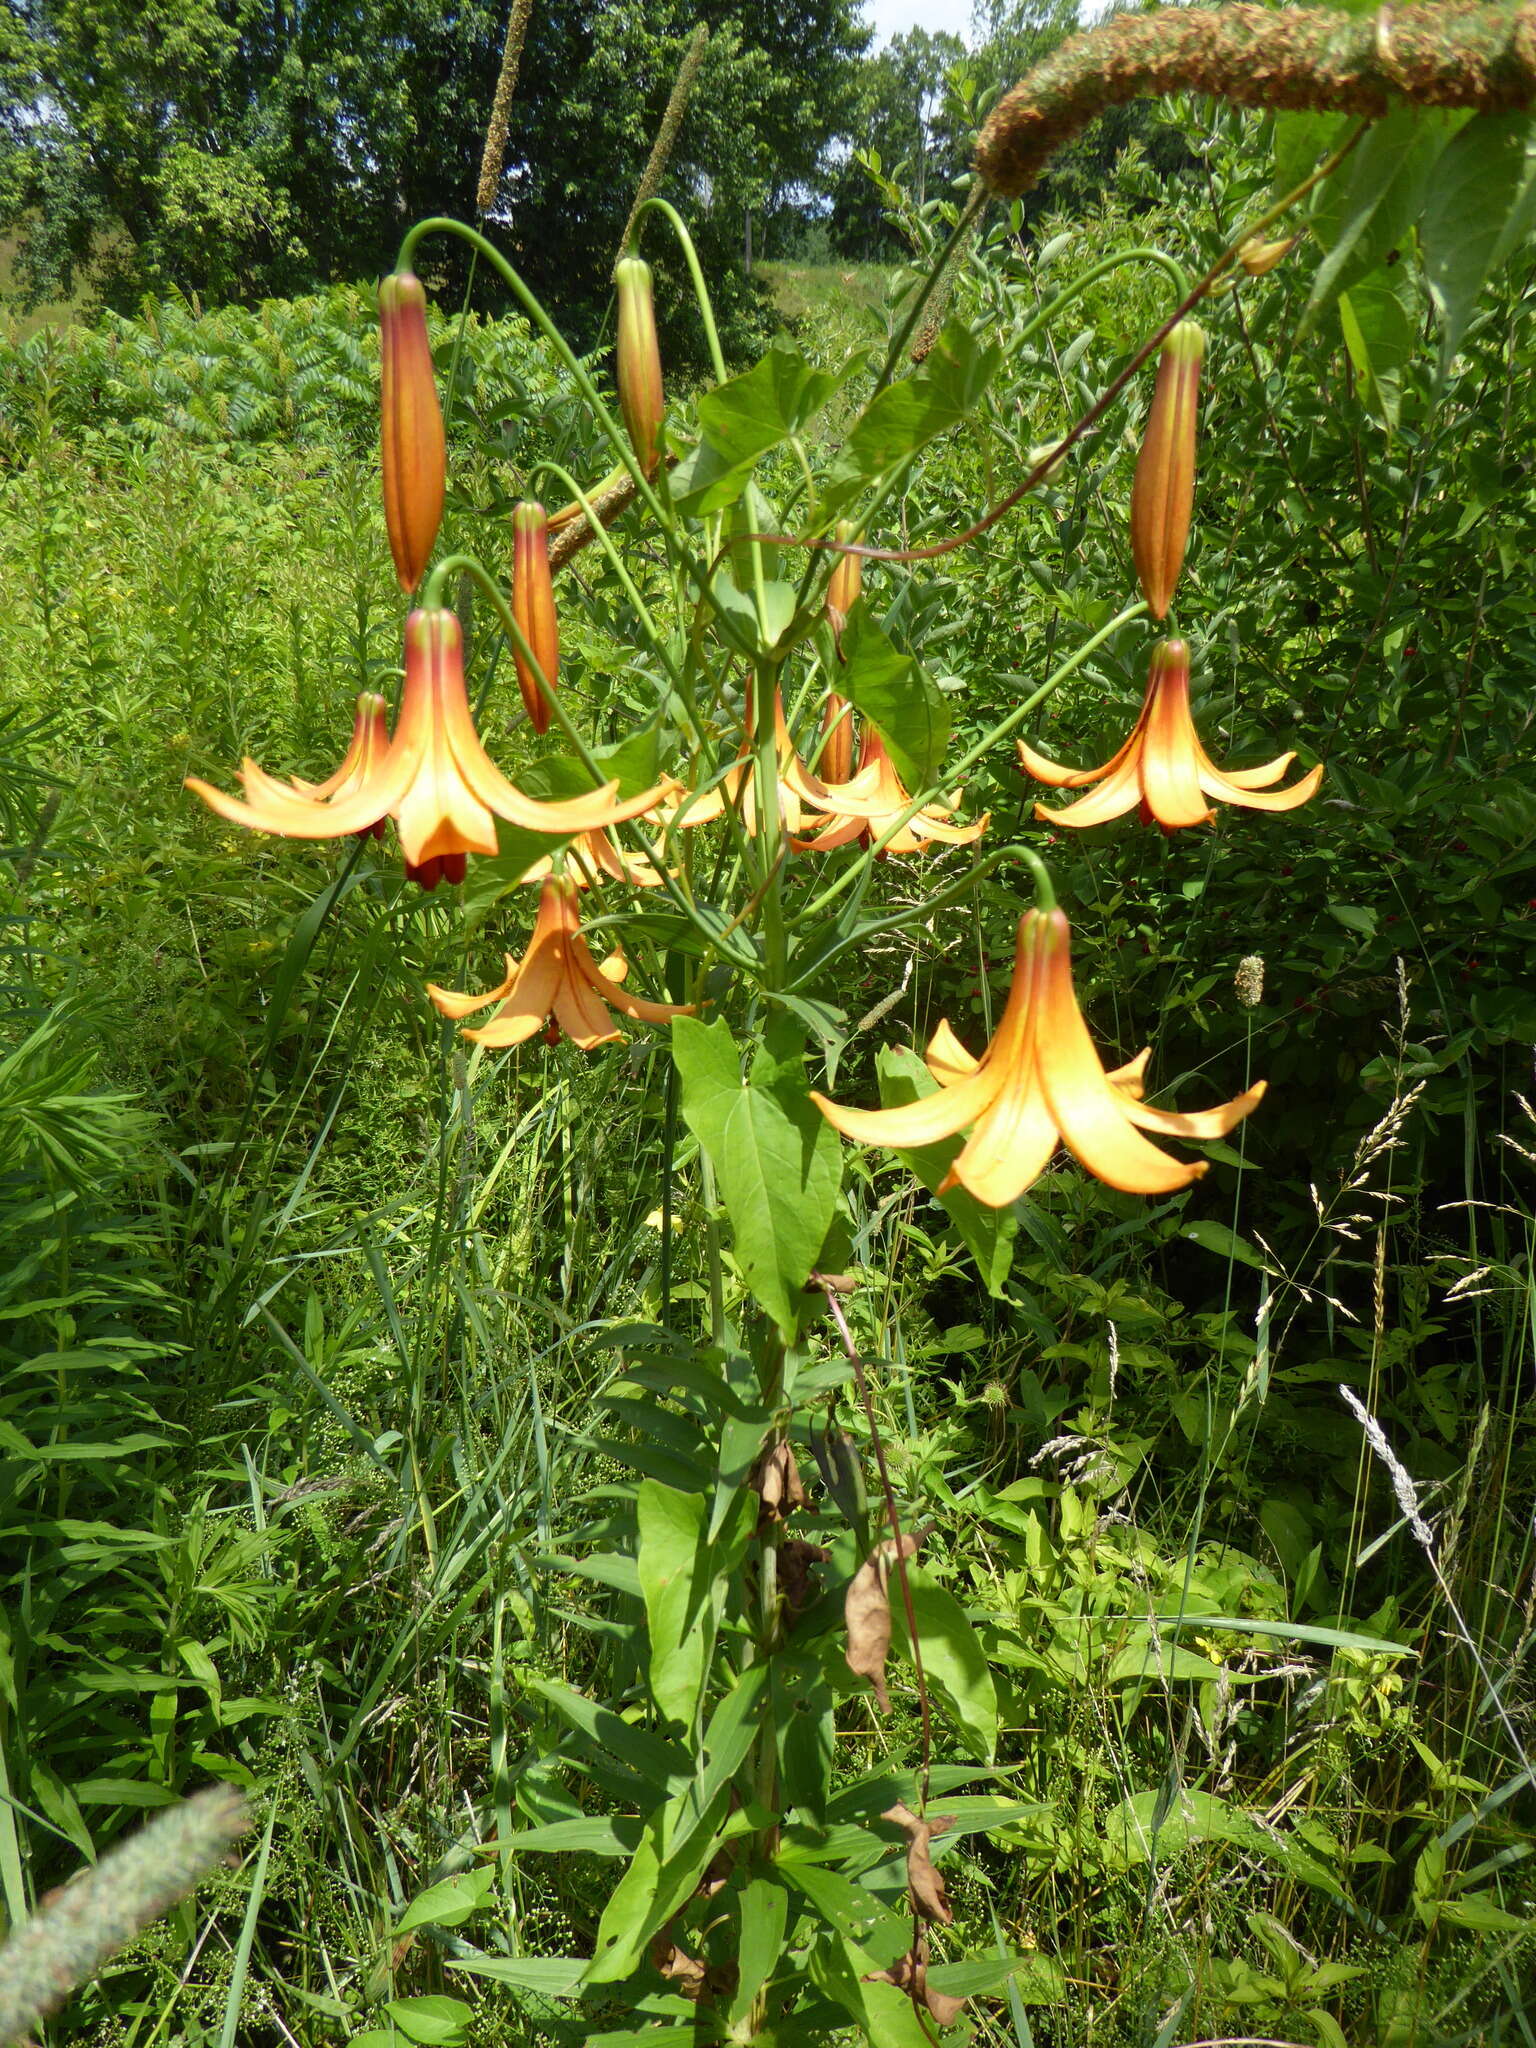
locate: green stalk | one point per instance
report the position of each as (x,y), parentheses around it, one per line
(695,271)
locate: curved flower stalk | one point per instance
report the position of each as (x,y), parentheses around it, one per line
(434,778)
(1162,767)
(1038,1083)
(557,976)
(869,805)
(591,856)
(737,788)
(413,452)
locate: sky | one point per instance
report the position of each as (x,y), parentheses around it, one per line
(891,17)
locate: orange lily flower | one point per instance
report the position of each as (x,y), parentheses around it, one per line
(557,974)
(1163,767)
(591,855)
(368,746)
(434,778)
(1039,1082)
(866,807)
(737,789)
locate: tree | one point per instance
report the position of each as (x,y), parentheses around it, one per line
(903,110)
(244,146)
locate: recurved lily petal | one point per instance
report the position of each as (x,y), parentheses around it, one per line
(869,806)
(1170,772)
(1039,1080)
(368,746)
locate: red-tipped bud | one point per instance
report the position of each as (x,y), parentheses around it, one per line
(413,452)
(533,607)
(1163,494)
(641,398)
(835,761)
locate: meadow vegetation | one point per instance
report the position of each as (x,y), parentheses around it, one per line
(330,1343)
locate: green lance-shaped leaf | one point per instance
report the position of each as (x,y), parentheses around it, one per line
(898,694)
(1479,205)
(954,1664)
(777,1161)
(682,1581)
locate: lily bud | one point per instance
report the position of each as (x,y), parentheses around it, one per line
(846,584)
(412,448)
(641,398)
(1163,493)
(834,764)
(533,607)
(1258,257)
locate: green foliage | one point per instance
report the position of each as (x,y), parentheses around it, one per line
(390,1426)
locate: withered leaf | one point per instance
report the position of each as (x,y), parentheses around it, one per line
(909,1973)
(797,1581)
(776,1480)
(684,1971)
(924,1881)
(867,1614)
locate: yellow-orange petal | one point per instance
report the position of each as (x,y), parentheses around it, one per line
(925,1122)
(455,1003)
(946,1058)
(1170,772)
(1198,1123)
(1229,792)
(412,445)
(1089,1112)
(1119,792)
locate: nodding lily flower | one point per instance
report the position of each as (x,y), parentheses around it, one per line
(557,975)
(1038,1083)
(1163,768)
(434,778)
(533,607)
(1163,489)
(412,448)
(870,804)
(592,855)
(737,788)
(369,745)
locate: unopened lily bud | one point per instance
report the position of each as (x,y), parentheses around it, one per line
(1258,257)
(1163,493)
(533,607)
(845,585)
(835,761)
(641,398)
(412,448)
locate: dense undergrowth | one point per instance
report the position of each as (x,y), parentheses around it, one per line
(306,1318)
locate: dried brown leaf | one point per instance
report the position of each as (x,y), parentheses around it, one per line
(924,1881)
(909,1973)
(686,1972)
(776,1480)
(867,1614)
